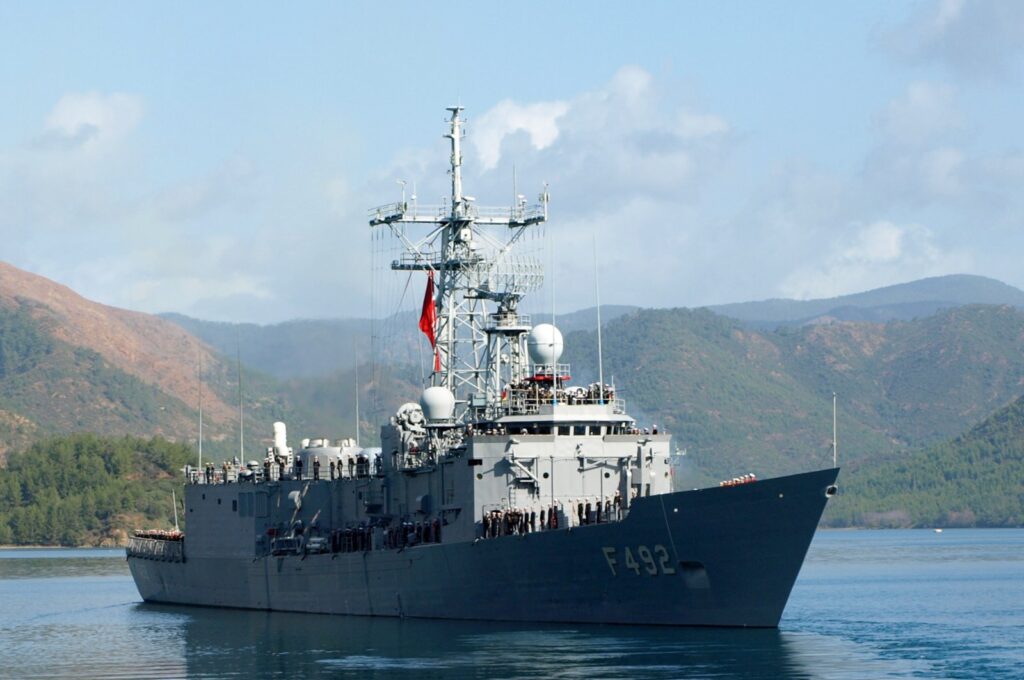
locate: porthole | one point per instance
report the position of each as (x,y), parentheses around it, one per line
(479,476)
(607,475)
(546,475)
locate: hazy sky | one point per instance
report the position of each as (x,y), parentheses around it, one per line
(218,159)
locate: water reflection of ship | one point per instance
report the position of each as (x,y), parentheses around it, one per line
(233,643)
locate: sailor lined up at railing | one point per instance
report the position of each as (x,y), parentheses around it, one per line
(538,389)
(160,534)
(489,429)
(575,512)
(736,481)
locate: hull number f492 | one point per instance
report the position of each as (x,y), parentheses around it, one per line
(639,560)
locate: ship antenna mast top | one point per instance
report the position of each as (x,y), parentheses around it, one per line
(456,136)
(479,335)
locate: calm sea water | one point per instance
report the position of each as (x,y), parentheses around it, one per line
(892,604)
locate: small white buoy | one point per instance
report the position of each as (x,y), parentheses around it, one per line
(938,531)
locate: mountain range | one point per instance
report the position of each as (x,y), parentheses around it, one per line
(903,301)
(746,393)
(67,363)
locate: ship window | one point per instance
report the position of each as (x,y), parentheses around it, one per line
(543,430)
(564,430)
(580,430)
(546,475)
(234,506)
(607,475)
(245,505)
(479,476)
(218,501)
(261,505)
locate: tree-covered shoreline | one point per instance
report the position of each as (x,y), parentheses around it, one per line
(87,490)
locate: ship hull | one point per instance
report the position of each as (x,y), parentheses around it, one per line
(726,556)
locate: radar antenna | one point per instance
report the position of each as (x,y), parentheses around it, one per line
(480,336)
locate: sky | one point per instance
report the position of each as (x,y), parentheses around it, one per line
(219,159)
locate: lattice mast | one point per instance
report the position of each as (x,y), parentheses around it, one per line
(480,336)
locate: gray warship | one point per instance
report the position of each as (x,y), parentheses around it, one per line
(503,493)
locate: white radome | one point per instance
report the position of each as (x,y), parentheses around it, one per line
(438,403)
(545,344)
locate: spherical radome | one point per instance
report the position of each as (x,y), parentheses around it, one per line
(438,403)
(544,344)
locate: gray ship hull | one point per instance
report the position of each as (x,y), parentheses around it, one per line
(726,556)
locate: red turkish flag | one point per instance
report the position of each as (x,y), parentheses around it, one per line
(428,320)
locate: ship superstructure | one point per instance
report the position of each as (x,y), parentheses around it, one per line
(504,492)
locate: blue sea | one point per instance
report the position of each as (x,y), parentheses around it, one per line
(868,604)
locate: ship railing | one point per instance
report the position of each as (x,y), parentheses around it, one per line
(413,211)
(507,320)
(521,214)
(156,549)
(528,402)
(431,259)
(547,370)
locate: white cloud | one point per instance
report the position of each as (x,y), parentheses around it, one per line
(194,198)
(984,38)
(940,170)
(92,121)
(917,158)
(879,254)
(638,165)
(539,121)
(78,205)
(693,125)
(923,112)
(604,147)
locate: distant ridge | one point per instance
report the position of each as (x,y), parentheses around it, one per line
(71,364)
(141,345)
(314,348)
(902,301)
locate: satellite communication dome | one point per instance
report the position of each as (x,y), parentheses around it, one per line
(545,344)
(438,403)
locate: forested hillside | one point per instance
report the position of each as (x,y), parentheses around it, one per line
(68,364)
(84,489)
(976,479)
(49,386)
(740,400)
(737,399)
